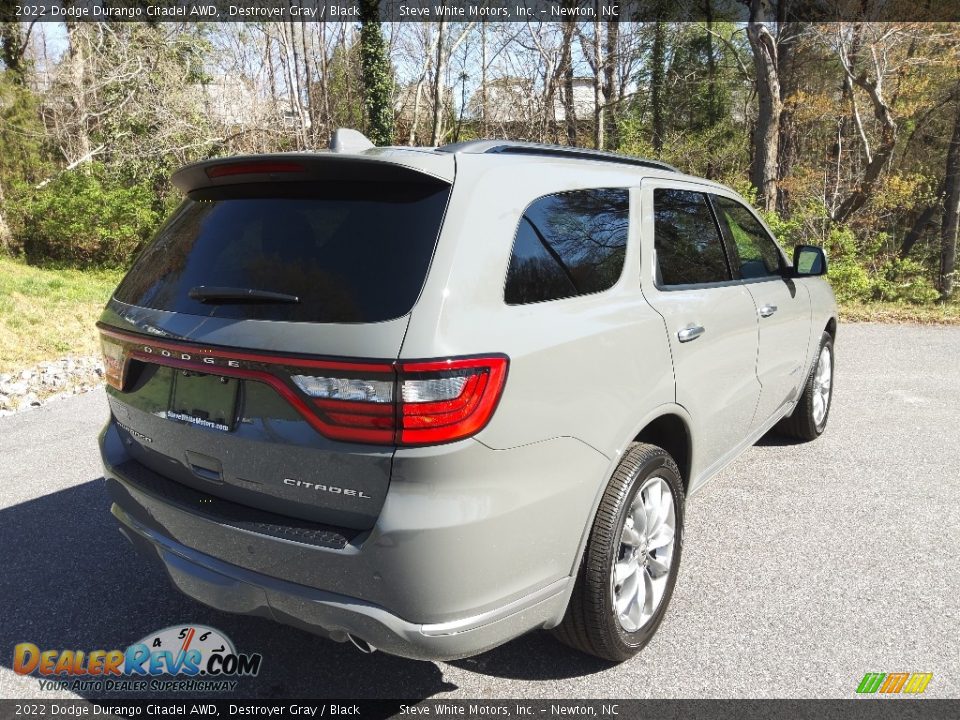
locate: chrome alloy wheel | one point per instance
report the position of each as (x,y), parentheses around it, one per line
(822,382)
(641,568)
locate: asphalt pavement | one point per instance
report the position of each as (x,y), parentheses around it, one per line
(804,565)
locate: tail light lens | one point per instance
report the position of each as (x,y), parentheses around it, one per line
(114,362)
(383,403)
(448,400)
(353,407)
(419,403)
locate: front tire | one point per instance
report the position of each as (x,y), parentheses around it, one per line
(630,564)
(809,418)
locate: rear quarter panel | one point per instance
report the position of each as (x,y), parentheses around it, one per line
(587,367)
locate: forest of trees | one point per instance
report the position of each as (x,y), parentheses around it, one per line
(843,134)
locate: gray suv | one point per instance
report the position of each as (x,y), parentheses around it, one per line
(429,399)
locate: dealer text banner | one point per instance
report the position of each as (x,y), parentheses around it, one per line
(465,10)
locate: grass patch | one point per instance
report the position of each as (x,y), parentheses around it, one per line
(885,312)
(46,314)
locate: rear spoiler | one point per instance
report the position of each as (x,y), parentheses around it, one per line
(376,164)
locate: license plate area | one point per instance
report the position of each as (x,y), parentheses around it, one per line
(208,401)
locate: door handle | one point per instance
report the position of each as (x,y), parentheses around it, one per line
(691,332)
(768,310)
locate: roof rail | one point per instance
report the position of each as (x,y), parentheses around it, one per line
(513,147)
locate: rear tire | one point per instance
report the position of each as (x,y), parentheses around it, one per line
(630,564)
(809,418)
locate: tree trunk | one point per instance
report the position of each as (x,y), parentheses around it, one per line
(309,65)
(658,59)
(566,65)
(713,102)
(296,87)
(764,171)
(325,82)
(78,71)
(429,52)
(437,131)
(599,115)
(916,230)
(878,158)
(789,85)
(951,213)
(610,88)
(483,80)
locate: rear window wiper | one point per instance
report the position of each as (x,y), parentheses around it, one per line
(210,294)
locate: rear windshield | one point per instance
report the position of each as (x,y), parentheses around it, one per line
(349,252)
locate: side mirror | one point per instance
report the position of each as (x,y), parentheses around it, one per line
(809,261)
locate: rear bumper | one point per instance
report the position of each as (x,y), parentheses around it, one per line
(233,589)
(465,555)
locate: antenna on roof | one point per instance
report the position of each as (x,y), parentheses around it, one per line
(345,140)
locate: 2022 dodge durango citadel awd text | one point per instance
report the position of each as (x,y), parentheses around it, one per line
(429,399)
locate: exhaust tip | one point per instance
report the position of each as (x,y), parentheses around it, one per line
(361,645)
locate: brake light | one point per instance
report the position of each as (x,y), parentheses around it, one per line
(253,168)
(424,403)
(448,400)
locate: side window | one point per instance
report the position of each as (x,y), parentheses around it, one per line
(534,273)
(569,244)
(687,240)
(758,254)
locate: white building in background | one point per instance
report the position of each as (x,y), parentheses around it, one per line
(516,100)
(232,101)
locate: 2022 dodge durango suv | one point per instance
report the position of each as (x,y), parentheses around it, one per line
(428,400)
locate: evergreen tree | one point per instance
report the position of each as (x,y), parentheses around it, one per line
(377,78)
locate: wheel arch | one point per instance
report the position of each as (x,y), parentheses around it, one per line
(668,426)
(831,328)
(670,432)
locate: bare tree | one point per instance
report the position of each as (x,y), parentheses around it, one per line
(439,67)
(764,169)
(879,46)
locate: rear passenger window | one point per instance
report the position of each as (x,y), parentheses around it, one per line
(568,244)
(687,240)
(758,254)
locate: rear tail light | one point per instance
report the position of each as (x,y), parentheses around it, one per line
(114,362)
(422,403)
(449,399)
(356,407)
(383,403)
